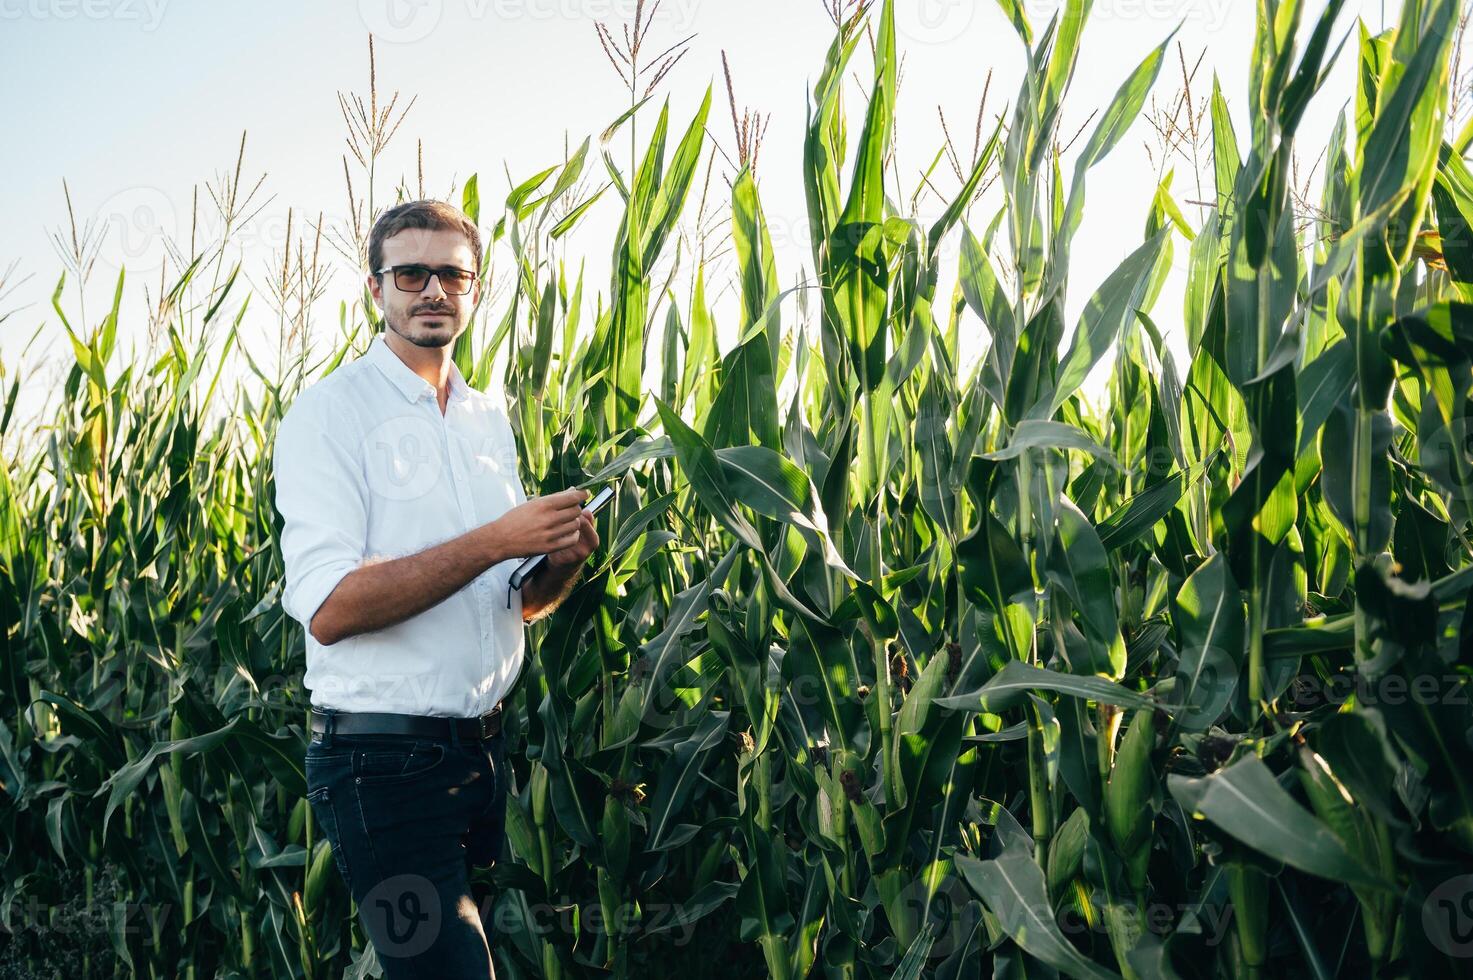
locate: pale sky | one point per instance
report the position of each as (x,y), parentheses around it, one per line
(138,103)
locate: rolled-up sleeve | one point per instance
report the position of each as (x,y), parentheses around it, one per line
(322,497)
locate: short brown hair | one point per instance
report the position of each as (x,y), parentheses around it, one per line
(429,215)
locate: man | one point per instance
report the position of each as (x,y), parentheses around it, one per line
(403,519)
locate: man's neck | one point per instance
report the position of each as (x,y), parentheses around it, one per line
(430,363)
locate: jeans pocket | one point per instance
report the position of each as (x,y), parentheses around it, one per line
(392,763)
(321,802)
(487,839)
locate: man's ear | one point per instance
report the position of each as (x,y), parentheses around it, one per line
(376,289)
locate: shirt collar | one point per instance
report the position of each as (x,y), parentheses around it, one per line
(402,376)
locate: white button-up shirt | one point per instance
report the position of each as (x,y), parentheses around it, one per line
(368,468)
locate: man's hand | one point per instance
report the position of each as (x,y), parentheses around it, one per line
(545,592)
(541,525)
(578,552)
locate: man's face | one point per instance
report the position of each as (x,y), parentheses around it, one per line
(431,317)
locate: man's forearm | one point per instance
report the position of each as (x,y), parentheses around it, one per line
(546,591)
(383,593)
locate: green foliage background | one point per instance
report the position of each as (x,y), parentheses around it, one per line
(908,673)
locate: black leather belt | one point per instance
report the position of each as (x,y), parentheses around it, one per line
(419,726)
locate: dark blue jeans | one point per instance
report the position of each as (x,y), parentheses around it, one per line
(407,818)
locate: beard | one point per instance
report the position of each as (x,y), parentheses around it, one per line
(405,326)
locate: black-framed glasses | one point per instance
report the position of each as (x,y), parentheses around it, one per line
(414,278)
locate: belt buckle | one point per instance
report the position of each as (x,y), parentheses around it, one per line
(489,722)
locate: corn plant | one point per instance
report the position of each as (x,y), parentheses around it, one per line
(922,668)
